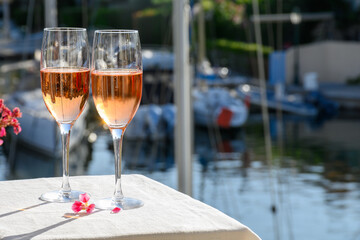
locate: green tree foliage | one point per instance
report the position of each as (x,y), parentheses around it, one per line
(239,47)
(226,19)
(231,17)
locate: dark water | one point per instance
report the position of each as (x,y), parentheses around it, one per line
(310,191)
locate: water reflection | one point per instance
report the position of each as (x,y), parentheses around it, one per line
(316,179)
(26,163)
(149,155)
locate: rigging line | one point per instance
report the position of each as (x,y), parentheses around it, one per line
(29,23)
(248,35)
(289,212)
(211,133)
(281,143)
(287,189)
(94,6)
(270,30)
(279,25)
(167,31)
(283,177)
(218,147)
(84,9)
(29,18)
(264,110)
(212,32)
(202,185)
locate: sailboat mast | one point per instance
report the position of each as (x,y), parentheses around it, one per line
(50,13)
(182,91)
(201,36)
(6,18)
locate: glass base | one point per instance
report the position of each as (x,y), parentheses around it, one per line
(125,204)
(57,196)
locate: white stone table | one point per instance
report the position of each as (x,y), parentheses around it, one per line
(167,214)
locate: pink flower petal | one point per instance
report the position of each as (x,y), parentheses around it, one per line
(115,210)
(5,121)
(1,142)
(77,206)
(84,197)
(16,112)
(14,122)
(2,132)
(90,208)
(6,112)
(17,130)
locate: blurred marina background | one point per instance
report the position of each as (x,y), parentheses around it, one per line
(282,157)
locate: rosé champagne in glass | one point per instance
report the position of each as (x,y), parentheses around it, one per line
(65,81)
(65,92)
(116,77)
(117,95)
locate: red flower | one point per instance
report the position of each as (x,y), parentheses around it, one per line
(16,112)
(83,204)
(8,118)
(14,122)
(6,112)
(90,208)
(84,198)
(17,129)
(77,206)
(116,210)
(2,132)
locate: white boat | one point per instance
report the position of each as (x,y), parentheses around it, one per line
(214,107)
(152,122)
(157,59)
(217,107)
(290,103)
(40,132)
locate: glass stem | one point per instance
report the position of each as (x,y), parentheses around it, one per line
(65,140)
(117,135)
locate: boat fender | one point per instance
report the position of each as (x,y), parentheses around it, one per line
(224,118)
(247,101)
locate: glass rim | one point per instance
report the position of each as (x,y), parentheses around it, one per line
(64,29)
(116,31)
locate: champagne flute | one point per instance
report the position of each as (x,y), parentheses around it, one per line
(116,77)
(65,80)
